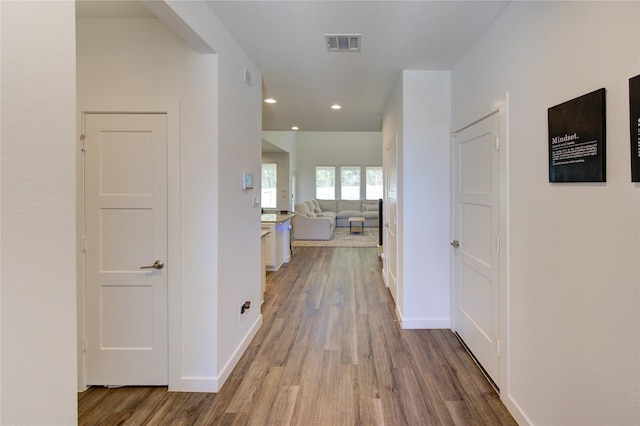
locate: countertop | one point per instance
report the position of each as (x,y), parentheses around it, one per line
(276,218)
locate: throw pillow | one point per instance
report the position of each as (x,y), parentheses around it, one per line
(369,206)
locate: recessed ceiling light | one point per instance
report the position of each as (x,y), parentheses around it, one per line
(294,128)
(336,106)
(270,101)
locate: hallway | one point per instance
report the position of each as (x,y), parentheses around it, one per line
(329,353)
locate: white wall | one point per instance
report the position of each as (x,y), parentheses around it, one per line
(333,149)
(418,112)
(425,199)
(220,139)
(239,149)
(38,286)
(283,140)
(171,71)
(573,249)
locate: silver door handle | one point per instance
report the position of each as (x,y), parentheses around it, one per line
(455,243)
(158,264)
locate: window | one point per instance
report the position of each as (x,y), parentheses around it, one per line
(350,182)
(373,176)
(269,185)
(325,182)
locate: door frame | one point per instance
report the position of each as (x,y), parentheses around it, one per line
(170,107)
(502,109)
(386,263)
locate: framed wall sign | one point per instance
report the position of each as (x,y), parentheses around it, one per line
(634,129)
(577,139)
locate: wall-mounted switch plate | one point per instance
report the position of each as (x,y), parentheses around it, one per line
(247,77)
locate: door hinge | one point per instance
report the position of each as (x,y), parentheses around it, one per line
(84,344)
(498,347)
(84,146)
(498,243)
(497,142)
(83,245)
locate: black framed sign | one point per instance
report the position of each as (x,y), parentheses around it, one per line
(577,139)
(634,111)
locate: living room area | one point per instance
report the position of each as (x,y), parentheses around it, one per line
(332,181)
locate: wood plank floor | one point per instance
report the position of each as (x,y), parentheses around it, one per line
(329,353)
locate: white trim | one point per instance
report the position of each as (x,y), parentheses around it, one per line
(196,384)
(455,133)
(505,268)
(503,255)
(214,384)
(514,408)
(422,323)
(503,382)
(235,358)
(426,323)
(171,107)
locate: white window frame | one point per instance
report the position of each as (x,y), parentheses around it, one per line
(366,182)
(347,192)
(325,195)
(269,194)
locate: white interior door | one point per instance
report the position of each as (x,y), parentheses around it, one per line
(126,229)
(476,241)
(391,223)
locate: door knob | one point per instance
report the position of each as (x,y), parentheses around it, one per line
(158,264)
(455,243)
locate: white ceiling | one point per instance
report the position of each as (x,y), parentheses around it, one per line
(286,41)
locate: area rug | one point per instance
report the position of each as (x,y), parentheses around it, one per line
(342,238)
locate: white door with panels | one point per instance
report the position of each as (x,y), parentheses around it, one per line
(391,222)
(476,241)
(125,247)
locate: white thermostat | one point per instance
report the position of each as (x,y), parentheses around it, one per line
(247,181)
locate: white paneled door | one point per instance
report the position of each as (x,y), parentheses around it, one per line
(476,241)
(126,249)
(391,222)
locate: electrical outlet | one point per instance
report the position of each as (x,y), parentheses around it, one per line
(243,309)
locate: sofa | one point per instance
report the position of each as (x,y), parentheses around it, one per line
(317,219)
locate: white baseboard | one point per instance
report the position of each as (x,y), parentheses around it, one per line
(214,384)
(229,366)
(195,384)
(422,323)
(425,323)
(514,408)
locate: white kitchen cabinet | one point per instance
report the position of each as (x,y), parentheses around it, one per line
(277,242)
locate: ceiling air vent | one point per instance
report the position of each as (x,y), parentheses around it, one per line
(343,42)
